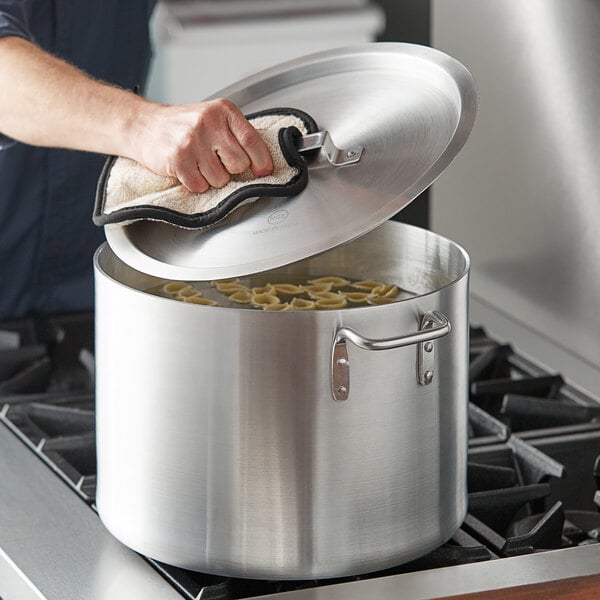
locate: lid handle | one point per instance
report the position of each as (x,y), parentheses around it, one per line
(338,157)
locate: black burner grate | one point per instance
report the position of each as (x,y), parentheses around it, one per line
(47,393)
(523,397)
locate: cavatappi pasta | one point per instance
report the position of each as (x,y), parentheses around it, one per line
(281,293)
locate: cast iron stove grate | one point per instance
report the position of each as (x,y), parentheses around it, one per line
(522,396)
(525,427)
(47,393)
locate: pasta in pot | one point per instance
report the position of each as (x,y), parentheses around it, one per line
(317,288)
(376,300)
(265,289)
(201,300)
(188,292)
(284,306)
(294,293)
(367,284)
(387,290)
(358,297)
(216,282)
(241,296)
(336,282)
(324,295)
(330,303)
(288,289)
(230,288)
(264,299)
(301,304)
(173,287)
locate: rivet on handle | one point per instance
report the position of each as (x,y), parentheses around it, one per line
(340,370)
(426,352)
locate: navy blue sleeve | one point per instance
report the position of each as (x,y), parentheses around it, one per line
(12,22)
(12,19)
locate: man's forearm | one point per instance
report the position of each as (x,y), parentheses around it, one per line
(45,101)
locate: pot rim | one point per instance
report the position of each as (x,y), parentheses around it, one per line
(105,247)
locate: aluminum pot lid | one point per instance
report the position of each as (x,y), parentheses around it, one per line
(397,113)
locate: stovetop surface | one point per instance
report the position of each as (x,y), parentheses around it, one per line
(534,448)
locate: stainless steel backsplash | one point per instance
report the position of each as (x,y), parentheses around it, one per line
(523,196)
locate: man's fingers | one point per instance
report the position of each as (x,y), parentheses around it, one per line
(252,143)
(190,176)
(212,168)
(232,155)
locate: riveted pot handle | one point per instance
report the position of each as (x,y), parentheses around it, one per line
(434,325)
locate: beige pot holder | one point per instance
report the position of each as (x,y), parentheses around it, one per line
(128,192)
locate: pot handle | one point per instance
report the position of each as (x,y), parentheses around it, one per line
(434,325)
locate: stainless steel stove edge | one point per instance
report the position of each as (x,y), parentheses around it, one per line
(463,579)
(54,547)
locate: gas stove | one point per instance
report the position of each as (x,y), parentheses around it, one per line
(533,480)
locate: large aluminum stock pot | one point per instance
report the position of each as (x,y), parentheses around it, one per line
(287,445)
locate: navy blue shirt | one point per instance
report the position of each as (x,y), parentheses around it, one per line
(47,238)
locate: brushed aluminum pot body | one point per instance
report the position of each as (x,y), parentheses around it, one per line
(221,447)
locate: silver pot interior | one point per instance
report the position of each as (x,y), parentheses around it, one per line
(417,260)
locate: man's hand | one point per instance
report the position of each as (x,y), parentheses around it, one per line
(201,144)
